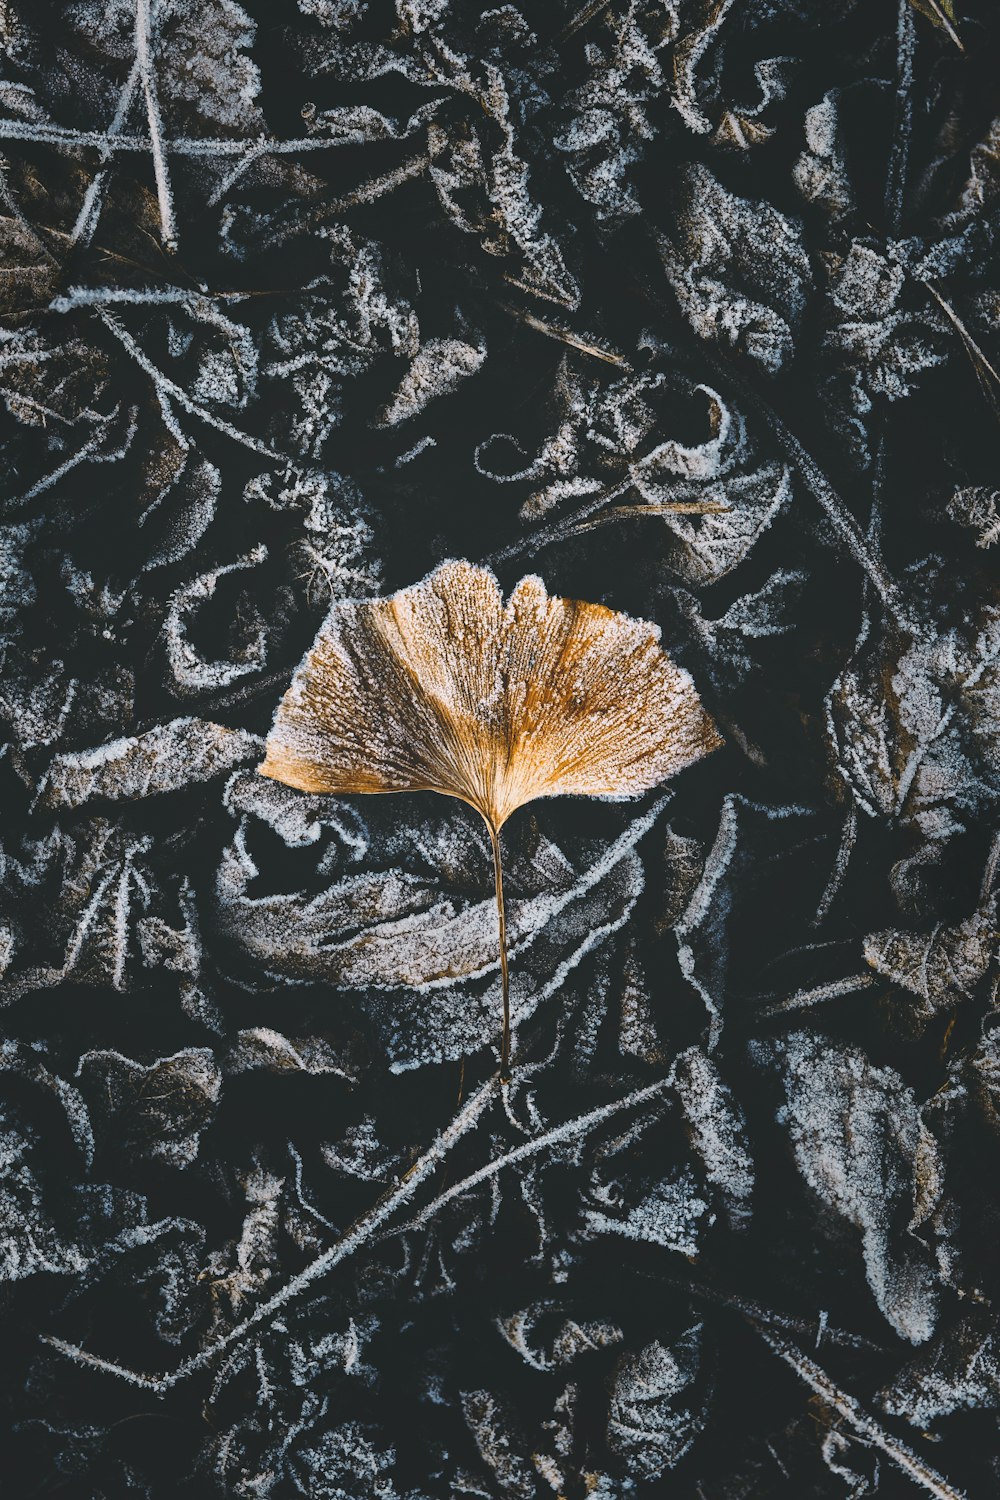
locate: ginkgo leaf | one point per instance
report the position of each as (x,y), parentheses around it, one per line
(442,687)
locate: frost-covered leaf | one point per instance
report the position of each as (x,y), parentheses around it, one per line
(609,122)
(862,1147)
(739,269)
(30,1242)
(262,1047)
(718,1129)
(162,760)
(159,1109)
(959,1370)
(499,1445)
(202,54)
(440,366)
(727,642)
(674,1213)
(340,329)
(84,901)
(654,1415)
(975,506)
(941,968)
(881,339)
(182,507)
(913,725)
(821,173)
(343,1462)
(192,672)
(545,1338)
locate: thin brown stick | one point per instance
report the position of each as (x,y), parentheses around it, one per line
(504,974)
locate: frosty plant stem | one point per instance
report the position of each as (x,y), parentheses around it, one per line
(502,929)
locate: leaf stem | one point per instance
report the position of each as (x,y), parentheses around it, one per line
(504,973)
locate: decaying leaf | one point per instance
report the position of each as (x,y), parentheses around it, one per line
(443,688)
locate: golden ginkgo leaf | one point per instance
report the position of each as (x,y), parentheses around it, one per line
(443,687)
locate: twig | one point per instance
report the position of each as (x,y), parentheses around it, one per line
(90,210)
(895,182)
(583,17)
(167,387)
(802,999)
(936,13)
(818,1330)
(144,58)
(367,192)
(494,834)
(861,549)
(567,336)
(536,540)
(864,1426)
(568,1131)
(637,512)
(979,361)
(209,146)
(360,1233)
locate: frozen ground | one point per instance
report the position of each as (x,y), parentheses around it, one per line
(299,298)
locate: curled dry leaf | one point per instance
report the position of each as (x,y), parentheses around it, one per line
(442,687)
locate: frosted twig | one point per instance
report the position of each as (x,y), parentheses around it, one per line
(256,151)
(368,192)
(979,361)
(46,482)
(802,999)
(860,547)
(583,17)
(106,296)
(844,849)
(753,1309)
(567,336)
(942,19)
(144,58)
(166,388)
(895,184)
(90,210)
(568,1131)
(668,508)
(864,1426)
(360,1233)
(208,146)
(534,541)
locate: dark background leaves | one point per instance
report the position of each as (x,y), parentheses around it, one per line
(425,281)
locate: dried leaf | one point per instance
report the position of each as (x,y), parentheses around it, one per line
(443,688)
(158,1109)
